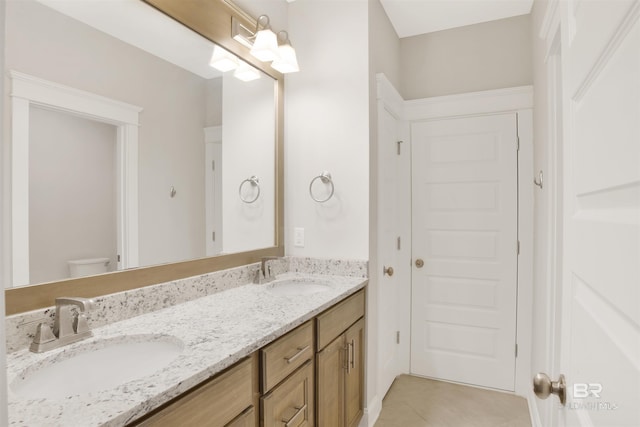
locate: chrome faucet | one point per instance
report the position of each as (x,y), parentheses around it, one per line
(67,327)
(264,274)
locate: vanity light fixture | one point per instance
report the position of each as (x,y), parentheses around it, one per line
(288,62)
(223,60)
(265,45)
(246,72)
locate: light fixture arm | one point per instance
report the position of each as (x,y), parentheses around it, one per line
(283,36)
(265,26)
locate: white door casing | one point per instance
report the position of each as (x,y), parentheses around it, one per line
(393,237)
(27,90)
(464,227)
(213,190)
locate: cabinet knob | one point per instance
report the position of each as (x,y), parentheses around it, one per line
(387,270)
(419,263)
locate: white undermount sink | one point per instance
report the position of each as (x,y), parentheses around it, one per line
(296,287)
(96,366)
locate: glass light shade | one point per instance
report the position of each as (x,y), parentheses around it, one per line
(265,48)
(222,60)
(288,62)
(246,72)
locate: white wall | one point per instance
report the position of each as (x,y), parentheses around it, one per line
(487,56)
(70,218)
(248,129)
(327,128)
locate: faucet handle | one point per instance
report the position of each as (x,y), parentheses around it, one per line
(80,324)
(43,334)
(44,339)
(84,304)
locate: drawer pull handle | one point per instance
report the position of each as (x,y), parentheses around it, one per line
(291,421)
(298,354)
(352,357)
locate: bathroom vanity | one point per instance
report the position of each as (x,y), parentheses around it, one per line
(248,355)
(278,384)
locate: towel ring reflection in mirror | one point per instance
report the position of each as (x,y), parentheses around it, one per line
(325,178)
(255,182)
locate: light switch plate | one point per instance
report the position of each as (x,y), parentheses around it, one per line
(298,237)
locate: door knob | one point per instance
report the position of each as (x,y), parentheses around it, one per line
(543,387)
(387,270)
(419,263)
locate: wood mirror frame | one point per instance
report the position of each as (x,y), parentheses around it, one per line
(212,20)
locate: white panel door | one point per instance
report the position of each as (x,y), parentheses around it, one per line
(464,228)
(600,342)
(389,308)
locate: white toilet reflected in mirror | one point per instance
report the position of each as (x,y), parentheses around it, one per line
(88,267)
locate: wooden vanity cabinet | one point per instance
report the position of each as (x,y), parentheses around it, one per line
(227,400)
(291,403)
(287,379)
(340,363)
(286,383)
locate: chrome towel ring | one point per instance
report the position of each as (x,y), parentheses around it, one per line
(255,182)
(325,177)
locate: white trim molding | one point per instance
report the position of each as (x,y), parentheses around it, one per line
(64,98)
(389,96)
(469,104)
(28,90)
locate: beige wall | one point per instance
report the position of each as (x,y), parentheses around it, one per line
(384,45)
(70,218)
(491,55)
(52,46)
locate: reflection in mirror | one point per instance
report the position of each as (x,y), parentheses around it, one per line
(127,148)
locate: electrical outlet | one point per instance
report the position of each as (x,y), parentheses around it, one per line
(298,237)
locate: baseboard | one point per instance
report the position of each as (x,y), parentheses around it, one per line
(534,415)
(371,412)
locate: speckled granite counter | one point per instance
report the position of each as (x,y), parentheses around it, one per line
(216,330)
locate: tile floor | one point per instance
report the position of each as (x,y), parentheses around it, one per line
(421,402)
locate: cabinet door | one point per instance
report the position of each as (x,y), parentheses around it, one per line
(291,404)
(354,375)
(331,367)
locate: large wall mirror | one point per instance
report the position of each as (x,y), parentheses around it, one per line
(133,161)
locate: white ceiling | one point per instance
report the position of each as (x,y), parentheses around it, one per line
(414,17)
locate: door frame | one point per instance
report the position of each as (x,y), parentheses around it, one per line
(550,31)
(517,100)
(389,99)
(27,90)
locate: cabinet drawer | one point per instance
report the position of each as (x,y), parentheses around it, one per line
(337,319)
(291,404)
(285,355)
(215,403)
(246,419)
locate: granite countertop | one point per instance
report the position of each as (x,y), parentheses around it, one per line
(216,331)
